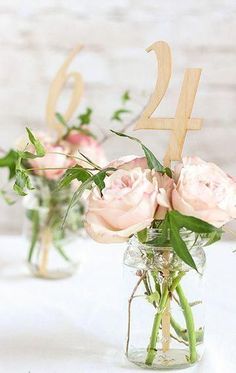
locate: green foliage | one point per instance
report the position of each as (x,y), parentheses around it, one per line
(117,115)
(85,118)
(61,119)
(153,163)
(153,297)
(33,215)
(9,161)
(191,223)
(76,172)
(142,235)
(98,179)
(179,245)
(22,182)
(214,237)
(125,97)
(39,149)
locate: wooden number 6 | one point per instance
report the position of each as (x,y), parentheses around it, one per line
(182,121)
(55,90)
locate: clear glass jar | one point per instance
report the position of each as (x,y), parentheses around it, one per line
(165,316)
(53,250)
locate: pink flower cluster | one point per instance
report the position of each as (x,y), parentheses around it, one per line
(134,196)
(54,164)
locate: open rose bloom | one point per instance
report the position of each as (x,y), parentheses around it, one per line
(134,196)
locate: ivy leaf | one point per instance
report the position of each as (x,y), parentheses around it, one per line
(153,163)
(9,160)
(22,182)
(178,244)
(191,223)
(85,118)
(125,97)
(142,235)
(39,149)
(118,113)
(76,172)
(61,119)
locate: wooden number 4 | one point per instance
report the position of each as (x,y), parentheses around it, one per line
(182,120)
(55,90)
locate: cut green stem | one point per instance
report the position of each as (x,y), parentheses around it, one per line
(151,354)
(187,311)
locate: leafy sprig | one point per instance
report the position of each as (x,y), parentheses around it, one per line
(152,161)
(14,161)
(84,120)
(118,113)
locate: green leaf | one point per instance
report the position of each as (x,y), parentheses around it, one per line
(61,119)
(99,179)
(85,118)
(89,161)
(118,113)
(125,97)
(153,163)
(214,237)
(26,155)
(87,184)
(76,172)
(22,182)
(168,172)
(178,244)
(9,161)
(142,235)
(153,297)
(40,151)
(191,223)
(33,215)
(162,240)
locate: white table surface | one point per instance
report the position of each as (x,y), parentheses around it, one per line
(75,325)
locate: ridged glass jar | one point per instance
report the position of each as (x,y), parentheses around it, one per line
(53,250)
(165,315)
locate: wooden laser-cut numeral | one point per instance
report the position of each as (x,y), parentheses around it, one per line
(55,90)
(182,120)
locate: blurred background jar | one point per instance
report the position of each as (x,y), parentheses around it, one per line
(54,243)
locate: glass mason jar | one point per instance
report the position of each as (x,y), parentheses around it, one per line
(165,318)
(53,250)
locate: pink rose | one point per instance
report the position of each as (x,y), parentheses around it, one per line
(165,183)
(128,203)
(88,146)
(129,162)
(52,160)
(203,190)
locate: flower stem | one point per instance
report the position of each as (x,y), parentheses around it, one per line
(158,317)
(189,324)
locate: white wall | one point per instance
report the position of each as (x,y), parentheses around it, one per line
(36,36)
